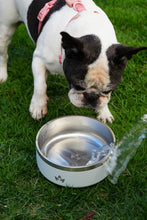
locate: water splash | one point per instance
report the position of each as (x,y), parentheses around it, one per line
(98,155)
(125,150)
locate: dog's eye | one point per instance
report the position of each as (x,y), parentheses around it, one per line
(106,92)
(80,88)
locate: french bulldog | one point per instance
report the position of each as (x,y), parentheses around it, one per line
(72,37)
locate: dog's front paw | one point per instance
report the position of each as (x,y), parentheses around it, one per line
(105,115)
(105,119)
(38,107)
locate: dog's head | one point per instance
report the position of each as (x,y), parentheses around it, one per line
(91,71)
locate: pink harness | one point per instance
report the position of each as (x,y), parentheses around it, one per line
(43,13)
(77,5)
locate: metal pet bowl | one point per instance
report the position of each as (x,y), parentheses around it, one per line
(69,150)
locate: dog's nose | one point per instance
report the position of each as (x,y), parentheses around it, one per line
(91,99)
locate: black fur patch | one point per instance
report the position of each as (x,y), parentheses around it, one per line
(116,64)
(33,11)
(80,52)
(118,55)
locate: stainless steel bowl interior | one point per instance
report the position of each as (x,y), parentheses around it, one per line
(74,141)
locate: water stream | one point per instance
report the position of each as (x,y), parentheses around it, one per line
(124,150)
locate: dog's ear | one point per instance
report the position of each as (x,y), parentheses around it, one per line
(73,46)
(123,52)
(118,55)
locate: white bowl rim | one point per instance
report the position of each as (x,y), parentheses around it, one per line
(73,168)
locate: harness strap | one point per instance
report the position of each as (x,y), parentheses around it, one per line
(43,13)
(77,5)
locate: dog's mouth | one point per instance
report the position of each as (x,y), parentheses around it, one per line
(84,98)
(76,97)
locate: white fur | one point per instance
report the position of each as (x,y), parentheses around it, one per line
(103,110)
(105,114)
(48,46)
(76,98)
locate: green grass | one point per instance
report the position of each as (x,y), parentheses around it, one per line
(24,192)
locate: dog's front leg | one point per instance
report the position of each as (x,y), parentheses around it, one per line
(103,110)
(6,32)
(38,106)
(104,114)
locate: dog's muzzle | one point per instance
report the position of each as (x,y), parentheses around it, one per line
(84,99)
(76,98)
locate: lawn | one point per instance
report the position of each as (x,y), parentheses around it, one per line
(24,192)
